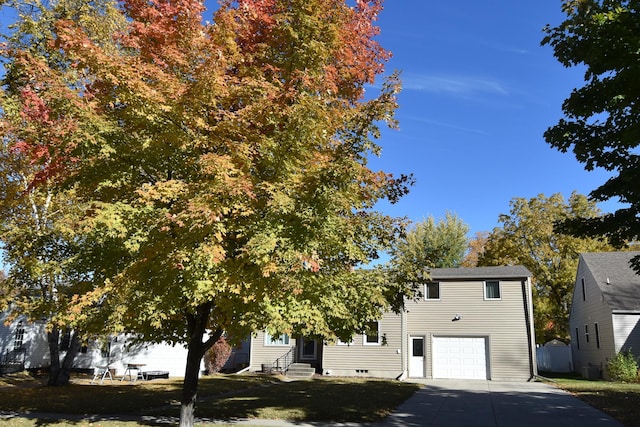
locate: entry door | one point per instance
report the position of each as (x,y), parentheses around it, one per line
(416,361)
(308,349)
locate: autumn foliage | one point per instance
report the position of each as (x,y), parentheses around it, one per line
(221,166)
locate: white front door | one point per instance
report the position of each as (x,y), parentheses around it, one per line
(416,360)
(459,357)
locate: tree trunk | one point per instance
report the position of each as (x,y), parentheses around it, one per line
(53,338)
(63,373)
(196,348)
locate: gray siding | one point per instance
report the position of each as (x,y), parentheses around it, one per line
(502,322)
(587,311)
(358,359)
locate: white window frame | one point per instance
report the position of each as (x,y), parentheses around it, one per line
(18,337)
(586,333)
(286,340)
(484,289)
(426,291)
(378,342)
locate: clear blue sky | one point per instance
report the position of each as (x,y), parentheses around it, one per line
(479,92)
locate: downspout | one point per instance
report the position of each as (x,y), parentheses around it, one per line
(404,348)
(527,298)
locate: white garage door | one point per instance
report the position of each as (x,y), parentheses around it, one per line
(459,357)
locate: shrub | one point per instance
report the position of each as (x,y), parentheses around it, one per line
(624,367)
(217,356)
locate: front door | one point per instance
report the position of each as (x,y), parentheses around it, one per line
(416,360)
(308,349)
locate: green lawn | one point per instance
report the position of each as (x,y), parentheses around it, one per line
(223,397)
(621,401)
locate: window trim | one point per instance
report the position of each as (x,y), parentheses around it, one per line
(586,333)
(268,342)
(426,291)
(484,288)
(18,337)
(379,336)
(597,331)
(577,339)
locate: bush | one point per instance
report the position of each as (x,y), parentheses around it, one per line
(217,356)
(624,367)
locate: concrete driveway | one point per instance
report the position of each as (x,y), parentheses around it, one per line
(475,403)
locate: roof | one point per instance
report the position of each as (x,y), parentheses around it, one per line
(502,272)
(619,283)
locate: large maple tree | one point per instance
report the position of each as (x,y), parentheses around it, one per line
(223,165)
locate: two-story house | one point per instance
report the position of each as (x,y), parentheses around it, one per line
(474,323)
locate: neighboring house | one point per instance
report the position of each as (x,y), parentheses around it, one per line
(605,311)
(472,323)
(27,342)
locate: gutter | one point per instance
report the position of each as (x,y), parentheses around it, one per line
(527,297)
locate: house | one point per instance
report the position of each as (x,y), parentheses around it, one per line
(25,344)
(604,312)
(472,323)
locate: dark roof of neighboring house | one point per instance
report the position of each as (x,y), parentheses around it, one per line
(623,289)
(502,272)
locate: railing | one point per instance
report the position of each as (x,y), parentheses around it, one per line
(283,362)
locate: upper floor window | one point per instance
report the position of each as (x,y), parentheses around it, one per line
(372,334)
(282,339)
(432,290)
(492,289)
(584,293)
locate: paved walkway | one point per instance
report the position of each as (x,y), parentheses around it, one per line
(444,403)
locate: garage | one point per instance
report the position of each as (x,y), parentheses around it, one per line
(459,357)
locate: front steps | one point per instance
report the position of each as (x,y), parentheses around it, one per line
(300,371)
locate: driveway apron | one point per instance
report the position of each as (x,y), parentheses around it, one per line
(475,403)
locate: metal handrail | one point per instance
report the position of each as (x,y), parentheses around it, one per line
(285,361)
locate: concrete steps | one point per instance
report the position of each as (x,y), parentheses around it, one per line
(300,371)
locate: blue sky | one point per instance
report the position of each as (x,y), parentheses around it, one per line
(479,92)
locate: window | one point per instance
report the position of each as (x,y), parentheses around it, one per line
(597,335)
(282,339)
(577,339)
(105,350)
(586,333)
(584,293)
(18,339)
(491,289)
(372,334)
(432,290)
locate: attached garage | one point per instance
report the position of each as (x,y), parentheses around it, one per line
(459,357)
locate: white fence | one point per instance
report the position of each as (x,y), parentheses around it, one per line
(554,356)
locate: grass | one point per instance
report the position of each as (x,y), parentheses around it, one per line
(224,397)
(620,400)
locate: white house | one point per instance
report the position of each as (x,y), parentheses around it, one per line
(605,311)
